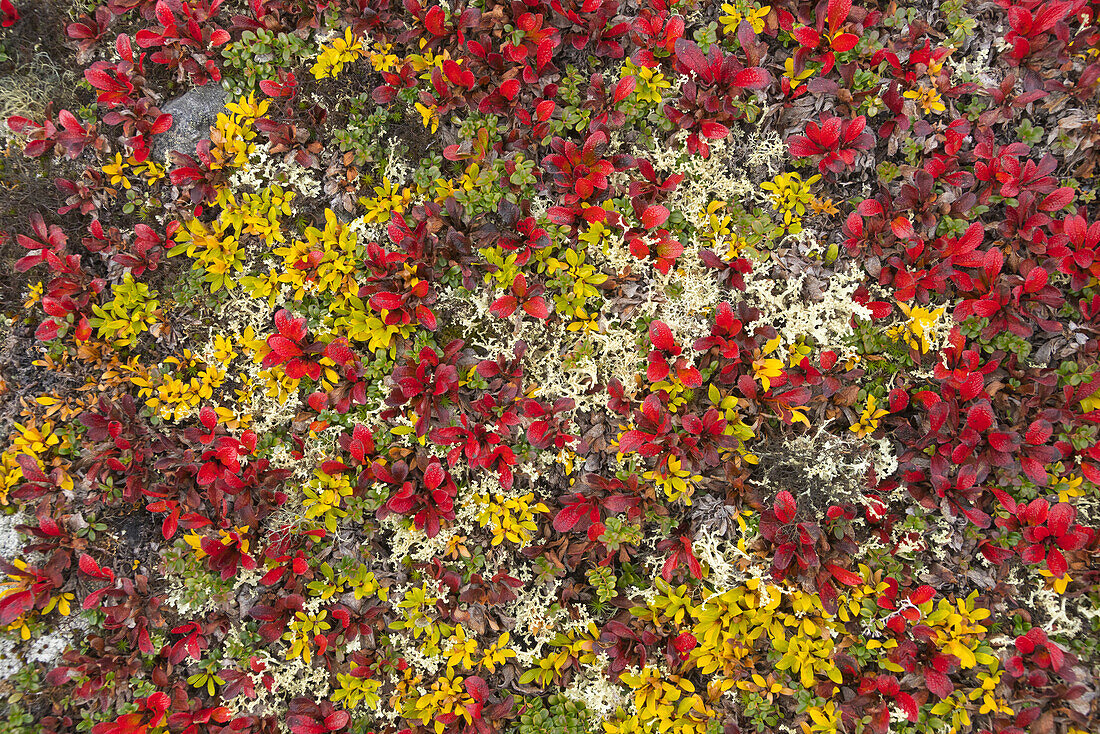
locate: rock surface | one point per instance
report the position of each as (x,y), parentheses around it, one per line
(192,115)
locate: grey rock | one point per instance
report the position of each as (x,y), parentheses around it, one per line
(192,115)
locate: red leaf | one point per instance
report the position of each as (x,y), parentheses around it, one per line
(713,130)
(510,88)
(844,576)
(808,37)
(433,21)
(902,228)
(91,599)
(1036,280)
(9,13)
(980,417)
(318,401)
(208,417)
(477,688)
(754,78)
(657,369)
(668,567)
(1033,469)
(504,306)
(977,517)
(426,317)
(305,725)
(288,326)
(898,400)
(908,705)
(845,42)
(100,80)
(1059,518)
(272,88)
(1056,562)
(802,147)
(785,506)
(31,472)
(880,309)
(1057,199)
(162,125)
(654,216)
(972,387)
(631,441)
(869,207)
(283,348)
(747,386)
(685,643)
(169,526)
(921,594)
(690,376)
(693,563)
(938,683)
(386,301)
(986,307)
(46,331)
(623,89)
(783,556)
(1033,554)
(689,54)
(337,720)
(661,336)
(207,474)
(838,13)
(69,122)
(1035,512)
(568,517)
(88,565)
(537,307)
(1039,432)
(433,475)
(1002,441)
(339,352)
(854,129)
(544,53)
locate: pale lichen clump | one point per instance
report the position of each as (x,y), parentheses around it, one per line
(719,176)
(262,170)
(249,318)
(719,557)
(767,150)
(1053,605)
(822,468)
(11,541)
(397,169)
(691,298)
(827,321)
(615,357)
(292,678)
(48,648)
(538,617)
(178,597)
(594,689)
(555,360)
(10,661)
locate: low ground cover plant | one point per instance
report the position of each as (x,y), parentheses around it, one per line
(484,366)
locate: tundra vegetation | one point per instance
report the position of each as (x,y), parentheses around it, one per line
(531,366)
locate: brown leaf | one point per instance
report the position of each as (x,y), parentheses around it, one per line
(846,396)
